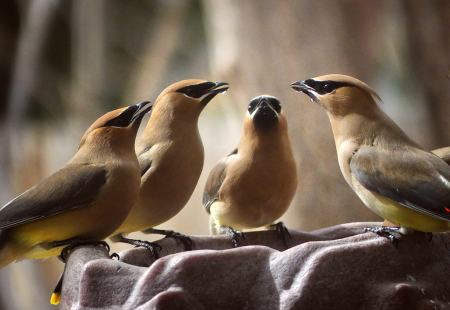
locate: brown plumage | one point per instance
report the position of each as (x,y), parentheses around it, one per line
(170,153)
(394,176)
(255,184)
(443,153)
(86,199)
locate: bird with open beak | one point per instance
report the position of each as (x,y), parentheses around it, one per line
(254,185)
(171,155)
(394,176)
(85,200)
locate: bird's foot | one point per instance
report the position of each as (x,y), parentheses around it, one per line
(153,247)
(71,244)
(187,242)
(385,231)
(230,232)
(429,236)
(114,255)
(283,232)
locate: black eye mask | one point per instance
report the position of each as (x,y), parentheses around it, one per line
(325,87)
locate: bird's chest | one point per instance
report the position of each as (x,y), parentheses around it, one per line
(174,163)
(259,184)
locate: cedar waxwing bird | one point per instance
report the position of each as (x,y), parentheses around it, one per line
(170,153)
(87,199)
(394,176)
(253,186)
(83,202)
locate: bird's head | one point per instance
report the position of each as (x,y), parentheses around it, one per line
(117,125)
(189,95)
(265,111)
(338,94)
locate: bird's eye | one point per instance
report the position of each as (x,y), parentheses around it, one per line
(118,122)
(275,103)
(252,105)
(189,92)
(327,88)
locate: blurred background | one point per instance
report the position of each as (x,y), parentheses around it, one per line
(65,63)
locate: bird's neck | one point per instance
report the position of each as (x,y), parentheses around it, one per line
(373,129)
(106,150)
(271,142)
(167,124)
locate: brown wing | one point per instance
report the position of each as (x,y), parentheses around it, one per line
(215,180)
(71,187)
(414,178)
(443,153)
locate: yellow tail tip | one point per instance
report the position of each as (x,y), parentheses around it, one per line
(56,298)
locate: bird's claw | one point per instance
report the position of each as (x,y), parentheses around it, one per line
(73,244)
(153,247)
(114,255)
(233,234)
(385,231)
(187,242)
(283,232)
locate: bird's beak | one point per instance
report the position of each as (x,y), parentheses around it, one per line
(213,91)
(300,86)
(264,115)
(265,103)
(141,109)
(218,89)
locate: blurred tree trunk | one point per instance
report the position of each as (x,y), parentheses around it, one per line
(160,45)
(37,18)
(263,46)
(88,58)
(9,33)
(24,164)
(428,32)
